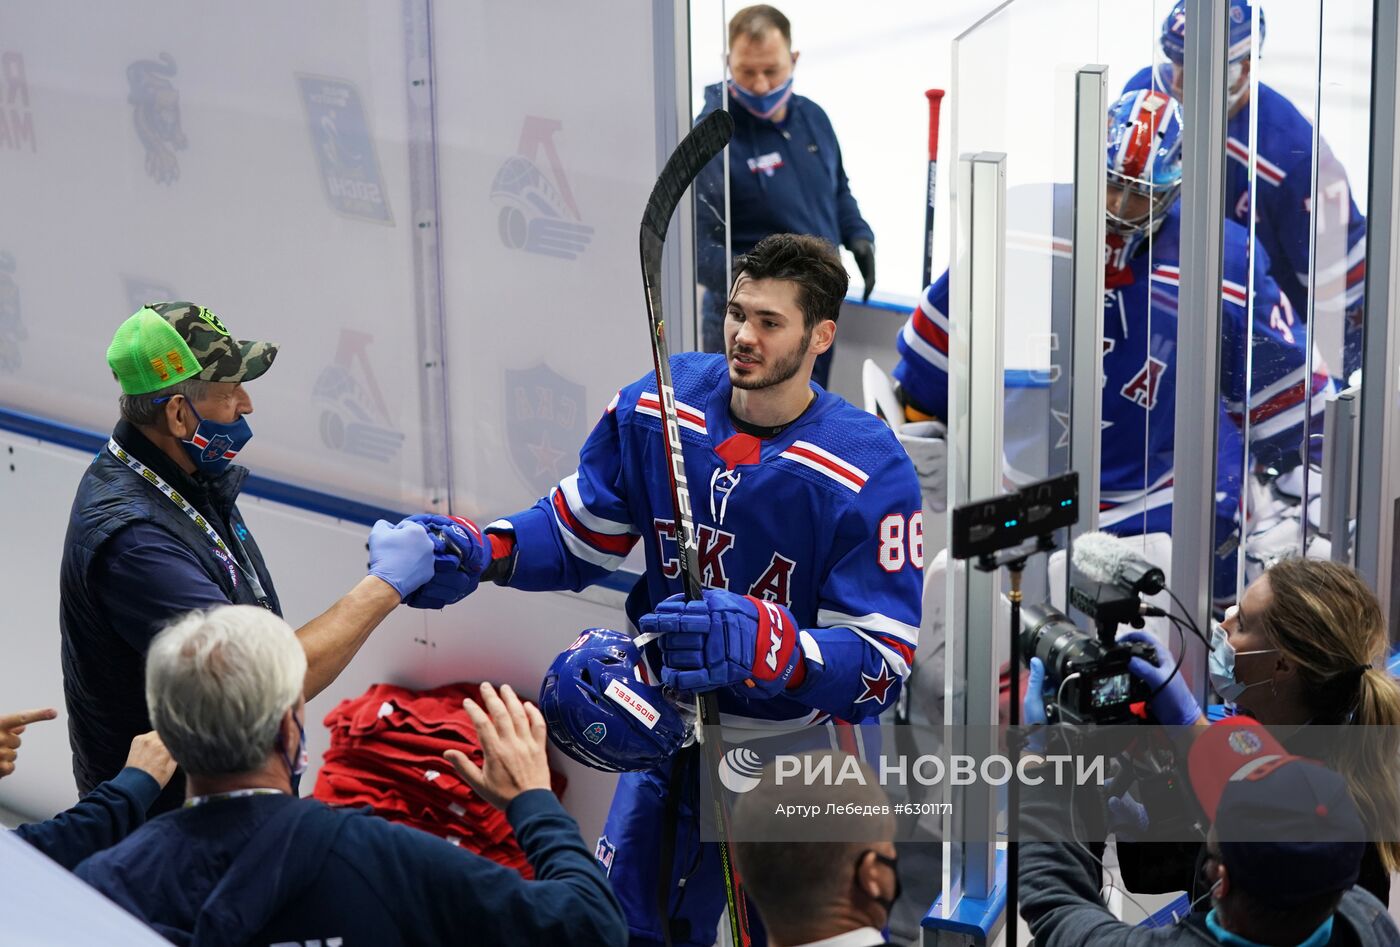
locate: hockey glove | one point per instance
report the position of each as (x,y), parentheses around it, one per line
(725,639)
(1172,704)
(401,554)
(927,446)
(864,252)
(460,555)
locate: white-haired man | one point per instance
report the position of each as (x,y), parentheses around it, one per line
(246,862)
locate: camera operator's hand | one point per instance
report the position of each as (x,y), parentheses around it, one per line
(1033,706)
(1127,819)
(1171,700)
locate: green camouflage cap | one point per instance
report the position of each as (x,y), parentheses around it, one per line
(166,343)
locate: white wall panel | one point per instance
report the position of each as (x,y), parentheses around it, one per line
(545,162)
(225,202)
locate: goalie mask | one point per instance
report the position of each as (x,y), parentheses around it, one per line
(1144,162)
(601,712)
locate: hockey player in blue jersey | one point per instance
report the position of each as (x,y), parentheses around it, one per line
(1284,208)
(810,534)
(1139,363)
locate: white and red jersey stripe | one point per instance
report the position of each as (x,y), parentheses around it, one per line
(1230,291)
(926,334)
(592,538)
(895,640)
(689,417)
(1115,506)
(1269,172)
(1284,403)
(826,463)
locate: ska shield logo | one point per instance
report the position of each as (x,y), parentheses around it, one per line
(544,425)
(596,732)
(218,445)
(740,769)
(12,328)
(354,419)
(538,213)
(156,114)
(344,149)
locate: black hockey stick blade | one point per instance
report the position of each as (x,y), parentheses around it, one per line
(696,150)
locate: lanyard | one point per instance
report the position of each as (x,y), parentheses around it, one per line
(232,794)
(244,566)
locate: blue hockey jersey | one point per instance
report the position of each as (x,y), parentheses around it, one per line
(826,519)
(1139,364)
(1284,210)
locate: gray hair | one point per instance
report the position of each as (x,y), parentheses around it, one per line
(143,411)
(218,683)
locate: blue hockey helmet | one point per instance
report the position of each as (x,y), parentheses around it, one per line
(1144,158)
(1241,25)
(602,713)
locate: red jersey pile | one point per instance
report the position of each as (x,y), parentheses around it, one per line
(386,753)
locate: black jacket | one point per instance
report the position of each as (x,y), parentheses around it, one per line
(132,561)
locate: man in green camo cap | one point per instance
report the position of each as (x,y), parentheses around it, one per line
(159,351)
(155,532)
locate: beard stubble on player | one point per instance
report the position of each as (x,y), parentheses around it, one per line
(779,370)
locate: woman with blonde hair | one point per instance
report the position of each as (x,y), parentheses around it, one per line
(1309,644)
(1303,653)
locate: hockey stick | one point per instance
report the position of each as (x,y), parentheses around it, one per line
(935,103)
(697,149)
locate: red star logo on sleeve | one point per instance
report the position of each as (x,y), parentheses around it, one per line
(876,687)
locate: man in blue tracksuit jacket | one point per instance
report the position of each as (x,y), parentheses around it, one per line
(103,817)
(785,170)
(246,862)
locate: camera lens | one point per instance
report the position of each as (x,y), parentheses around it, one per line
(1046,633)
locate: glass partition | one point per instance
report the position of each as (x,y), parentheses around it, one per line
(1298,151)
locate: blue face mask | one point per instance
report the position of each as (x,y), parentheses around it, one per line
(1222,663)
(303,758)
(762,106)
(214,444)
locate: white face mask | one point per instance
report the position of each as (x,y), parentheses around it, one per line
(1222,661)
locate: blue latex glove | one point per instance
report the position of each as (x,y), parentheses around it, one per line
(1127,818)
(1173,706)
(400,554)
(1033,706)
(460,555)
(724,639)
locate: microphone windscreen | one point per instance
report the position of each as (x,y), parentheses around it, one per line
(1098,556)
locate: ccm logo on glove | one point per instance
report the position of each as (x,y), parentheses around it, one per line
(776,637)
(725,639)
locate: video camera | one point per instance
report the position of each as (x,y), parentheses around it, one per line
(1086,674)
(1086,680)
